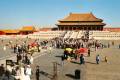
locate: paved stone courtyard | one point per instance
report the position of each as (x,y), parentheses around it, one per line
(89,71)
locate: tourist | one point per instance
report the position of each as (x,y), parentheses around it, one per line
(75,54)
(15,49)
(108,45)
(28,72)
(19,58)
(4,48)
(31,59)
(65,54)
(75,57)
(89,52)
(82,60)
(27,60)
(7,75)
(19,49)
(37,73)
(106,59)
(62,60)
(119,46)
(2,71)
(112,43)
(38,47)
(13,71)
(50,49)
(22,72)
(2,40)
(17,76)
(97,59)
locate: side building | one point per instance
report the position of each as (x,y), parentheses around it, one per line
(23,31)
(27,30)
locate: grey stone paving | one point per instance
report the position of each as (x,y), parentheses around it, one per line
(46,64)
(89,71)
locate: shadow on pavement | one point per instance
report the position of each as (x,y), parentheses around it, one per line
(70,76)
(46,74)
(75,62)
(73,77)
(90,62)
(59,56)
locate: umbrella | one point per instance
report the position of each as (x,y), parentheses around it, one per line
(34,44)
(69,49)
(82,50)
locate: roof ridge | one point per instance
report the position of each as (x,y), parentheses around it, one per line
(79,13)
(81,17)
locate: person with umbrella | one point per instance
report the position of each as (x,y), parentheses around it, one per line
(68,52)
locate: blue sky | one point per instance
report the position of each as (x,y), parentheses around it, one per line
(42,13)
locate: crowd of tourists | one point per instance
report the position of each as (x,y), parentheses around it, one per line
(75,45)
(20,68)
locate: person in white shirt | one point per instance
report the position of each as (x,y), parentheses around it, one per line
(28,72)
(31,59)
(22,72)
(4,48)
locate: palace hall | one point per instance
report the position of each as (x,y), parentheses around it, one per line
(84,21)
